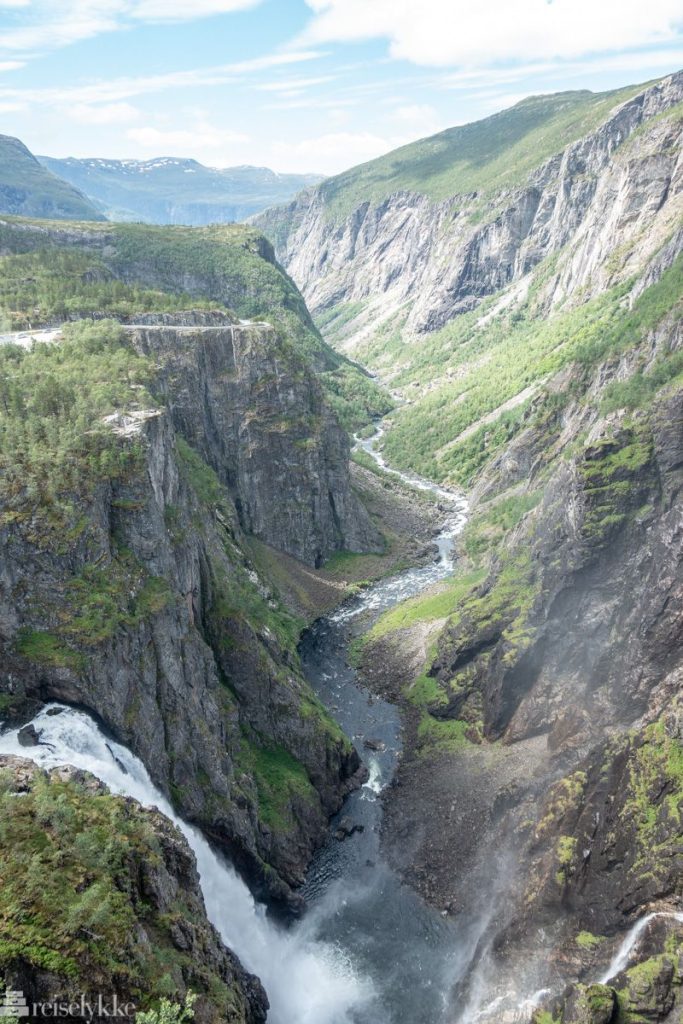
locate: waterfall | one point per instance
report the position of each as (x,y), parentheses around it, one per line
(622,956)
(373,785)
(307,981)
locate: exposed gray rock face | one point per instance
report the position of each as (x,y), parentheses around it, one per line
(161,886)
(243,398)
(602,578)
(573,641)
(619,188)
(191,681)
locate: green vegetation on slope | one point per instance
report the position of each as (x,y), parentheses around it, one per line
(55,285)
(69,861)
(55,450)
(655,793)
(482,157)
(54,444)
(26,187)
(58,457)
(613,475)
(490,524)
(477,376)
(94,605)
(439,603)
(281,783)
(169,1013)
(355,397)
(49,273)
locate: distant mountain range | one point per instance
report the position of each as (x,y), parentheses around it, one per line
(31,190)
(170,190)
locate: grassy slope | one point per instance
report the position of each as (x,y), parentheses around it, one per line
(469,370)
(585,338)
(467,388)
(27,187)
(481,157)
(126,268)
(69,855)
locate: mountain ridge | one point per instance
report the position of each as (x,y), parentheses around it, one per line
(176,190)
(452,253)
(531,338)
(29,189)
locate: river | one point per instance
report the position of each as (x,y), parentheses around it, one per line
(367,950)
(408,951)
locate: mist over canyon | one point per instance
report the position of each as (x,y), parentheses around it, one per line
(341,595)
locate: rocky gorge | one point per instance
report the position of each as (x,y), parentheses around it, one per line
(179,449)
(541,720)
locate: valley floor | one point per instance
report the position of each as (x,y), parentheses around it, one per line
(406,519)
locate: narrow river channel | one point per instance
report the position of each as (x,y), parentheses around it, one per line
(367,950)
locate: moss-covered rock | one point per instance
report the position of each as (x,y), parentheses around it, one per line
(128,590)
(591,1004)
(651,989)
(98,895)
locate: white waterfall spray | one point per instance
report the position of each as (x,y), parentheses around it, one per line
(623,954)
(307,982)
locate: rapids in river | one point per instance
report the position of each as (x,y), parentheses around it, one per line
(367,950)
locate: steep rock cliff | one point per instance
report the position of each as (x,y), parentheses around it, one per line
(407,255)
(566,660)
(124,917)
(126,589)
(244,399)
(52,272)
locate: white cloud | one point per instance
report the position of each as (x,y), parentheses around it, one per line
(118,89)
(273,60)
(332,152)
(312,103)
(185,142)
(48,28)
(633,63)
(187,10)
(292,85)
(457,32)
(11,65)
(107,113)
(419,118)
(50,24)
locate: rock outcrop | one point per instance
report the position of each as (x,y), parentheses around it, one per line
(617,190)
(244,399)
(120,919)
(134,596)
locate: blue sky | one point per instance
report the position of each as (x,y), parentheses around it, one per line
(303,85)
